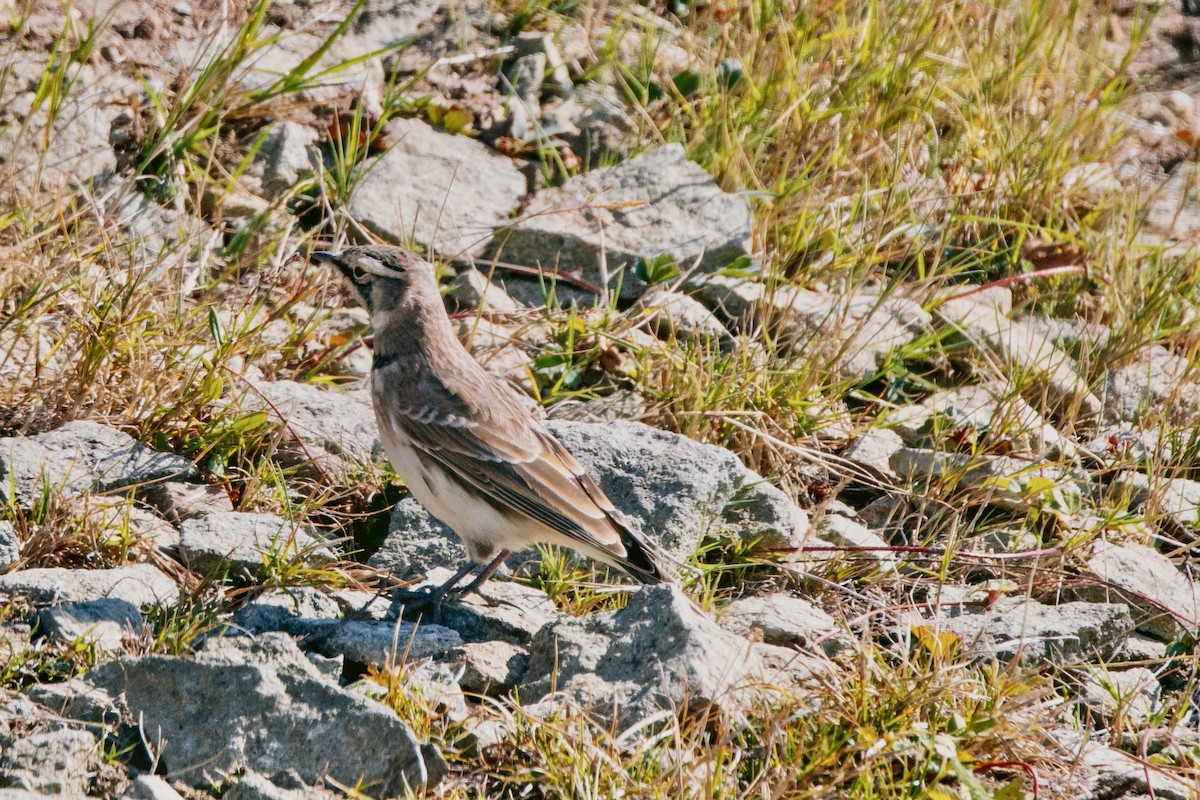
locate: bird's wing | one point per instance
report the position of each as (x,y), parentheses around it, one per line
(509,458)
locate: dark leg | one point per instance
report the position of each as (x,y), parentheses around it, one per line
(487,573)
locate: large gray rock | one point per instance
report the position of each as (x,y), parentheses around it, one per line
(384,643)
(658,204)
(1034,633)
(258,704)
(52,762)
(674,489)
(106,623)
(330,429)
(241,541)
(10,545)
(659,653)
(82,457)
(1163,601)
(140,584)
(786,621)
(298,609)
(442,191)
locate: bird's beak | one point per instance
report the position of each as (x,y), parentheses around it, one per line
(325,257)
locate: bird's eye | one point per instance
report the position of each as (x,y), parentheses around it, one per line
(358,274)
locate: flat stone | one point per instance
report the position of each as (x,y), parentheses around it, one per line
(10,545)
(52,762)
(177,501)
(331,429)
(860,541)
(473,291)
(237,540)
(785,620)
(296,609)
(501,610)
(655,205)
(151,787)
(1133,694)
(675,315)
(1053,376)
(253,786)
(445,192)
(142,585)
(258,704)
(105,623)
(1035,633)
(1163,601)
(286,157)
(489,668)
(383,643)
(82,457)
(658,654)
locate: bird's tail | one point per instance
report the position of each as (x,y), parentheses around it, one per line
(642,561)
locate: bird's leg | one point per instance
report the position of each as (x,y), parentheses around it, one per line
(429,598)
(487,573)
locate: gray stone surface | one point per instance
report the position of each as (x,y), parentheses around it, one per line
(241,541)
(983,416)
(1153,383)
(106,623)
(331,429)
(505,611)
(489,668)
(77,699)
(151,787)
(287,156)
(472,290)
(383,642)
(872,449)
(10,545)
(81,457)
(177,501)
(1052,376)
(761,512)
(1163,601)
(56,761)
(785,620)
(140,584)
(253,786)
(659,653)
(439,190)
(294,610)
(1035,633)
(675,315)
(657,204)
(258,704)
(1133,694)
(417,543)
(861,543)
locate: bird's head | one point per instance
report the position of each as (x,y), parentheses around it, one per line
(380,275)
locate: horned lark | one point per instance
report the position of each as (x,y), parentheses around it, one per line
(463,441)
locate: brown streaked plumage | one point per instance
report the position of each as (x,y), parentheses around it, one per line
(464,442)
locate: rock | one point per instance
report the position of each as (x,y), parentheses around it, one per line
(658,654)
(105,623)
(1154,382)
(143,585)
(384,643)
(176,502)
(1051,375)
(1174,500)
(658,205)
(473,291)
(998,480)
(297,609)
(861,544)
(417,543)
(115,521)
(1133,694)
(55,762)
(675,489)
(81,457)
(1163,601)
(253,786)
(10,545)
(855,330)
(787,621)
(285,158)
(240,541)
(502,348)
(1121,774)
(489,668)
(675,315)
(1034,633)
(510,612)
(1173,210)
(152,787)
(76,699)
(403,195)
(331,429)
(258,704)
(873,449)
(980,418)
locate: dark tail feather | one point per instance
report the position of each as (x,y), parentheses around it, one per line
(640,561)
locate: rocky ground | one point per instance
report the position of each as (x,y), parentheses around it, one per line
(879,318)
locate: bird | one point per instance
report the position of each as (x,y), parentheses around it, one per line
(466,443)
